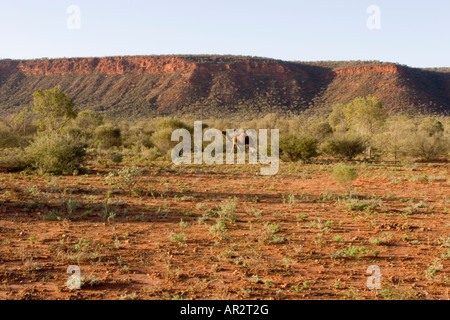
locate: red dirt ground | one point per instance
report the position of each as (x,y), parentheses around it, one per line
(285,238)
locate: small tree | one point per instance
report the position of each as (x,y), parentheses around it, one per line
(54,108)
(365,116)
(337,120)
(431,126)
(22,122)
(393,141)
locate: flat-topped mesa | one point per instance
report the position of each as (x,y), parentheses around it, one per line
(105,66)
(218,85)
(143,65)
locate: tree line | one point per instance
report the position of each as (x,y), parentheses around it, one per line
(51,136)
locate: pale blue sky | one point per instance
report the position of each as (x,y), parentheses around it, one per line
(416,33)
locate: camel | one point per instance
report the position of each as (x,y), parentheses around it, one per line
(239,140)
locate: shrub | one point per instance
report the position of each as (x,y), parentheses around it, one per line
(320,130)
(108,136)
(13,160)
(9,139)
(129,176)
(116,158)
(151,154)
(136,138)
(345,175)
(89,120)
(295,148)
(427,147)
(344,147)
(164,123)
(56,153)
(162,140)
(74,132)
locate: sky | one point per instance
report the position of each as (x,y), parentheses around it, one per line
(414,32)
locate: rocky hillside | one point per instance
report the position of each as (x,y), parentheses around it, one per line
(220,85)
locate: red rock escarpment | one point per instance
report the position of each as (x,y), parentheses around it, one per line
(143,85)
(105,66)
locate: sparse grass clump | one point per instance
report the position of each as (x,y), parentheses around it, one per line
(218,230)
(127,178)
(270,233)
(354,252)
(227,209)
(53,215)
(178,238)
(433,269)
(386,239)
(363,205)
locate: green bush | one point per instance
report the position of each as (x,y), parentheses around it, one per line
(75,132)
(344,147)
(136,138)
(13,159)
(89,120)
(108,136)
(428,147)
(320,130)
(161,139)
(345,175)
(295,148)
(151,154)
(56,153)
(172,123)
(116,158)
(9,139)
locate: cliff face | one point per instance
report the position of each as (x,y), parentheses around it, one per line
(219,85)
(377,69)
(104,66)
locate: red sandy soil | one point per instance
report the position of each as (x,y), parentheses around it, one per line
(133,253)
